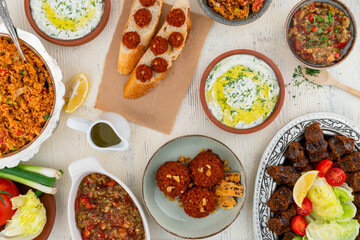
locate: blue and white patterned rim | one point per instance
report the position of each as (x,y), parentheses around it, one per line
(274,155)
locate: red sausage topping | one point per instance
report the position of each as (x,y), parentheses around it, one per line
(176,39)
(131,40)
(176,17)
(143,73)
(147,3)
(159,45)
(142,17)
(159,65)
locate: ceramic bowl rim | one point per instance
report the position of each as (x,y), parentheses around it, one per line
(73,42)
(277,108)
(318,66)
(151,159)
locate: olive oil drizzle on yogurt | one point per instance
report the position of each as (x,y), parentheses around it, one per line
(241,91)
(67,19)
(64,22)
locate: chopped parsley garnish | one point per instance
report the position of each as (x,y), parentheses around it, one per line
(46,117)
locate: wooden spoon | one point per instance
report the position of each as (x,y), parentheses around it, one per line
(325,78)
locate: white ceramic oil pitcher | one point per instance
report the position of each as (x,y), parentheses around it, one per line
(118,124)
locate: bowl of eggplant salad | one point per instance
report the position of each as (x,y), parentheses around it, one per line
(310,184)
(27,202)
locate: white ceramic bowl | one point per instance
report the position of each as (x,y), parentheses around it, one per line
(78,170)
(28,151)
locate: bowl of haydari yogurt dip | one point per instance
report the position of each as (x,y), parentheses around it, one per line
(242,91)
(68,22)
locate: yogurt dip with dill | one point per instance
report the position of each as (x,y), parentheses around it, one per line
(67,19)
(241,91)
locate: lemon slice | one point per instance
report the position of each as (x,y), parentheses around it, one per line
(303,185)
(76,91)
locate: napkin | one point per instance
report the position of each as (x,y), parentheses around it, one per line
(158,108)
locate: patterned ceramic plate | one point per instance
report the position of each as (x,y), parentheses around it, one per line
(331,124)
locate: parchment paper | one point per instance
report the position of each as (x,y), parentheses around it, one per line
(158,108)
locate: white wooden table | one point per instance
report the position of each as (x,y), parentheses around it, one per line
(265,35)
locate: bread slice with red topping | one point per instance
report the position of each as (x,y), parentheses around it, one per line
(165,47)
(138,32)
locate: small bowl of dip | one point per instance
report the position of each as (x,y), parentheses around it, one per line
(242,91)
(68,22)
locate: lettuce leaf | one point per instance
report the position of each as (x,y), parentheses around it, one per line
(326,204)
(344,192)
(322,230)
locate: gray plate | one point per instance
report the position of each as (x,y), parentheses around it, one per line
(332,124)
(235,22)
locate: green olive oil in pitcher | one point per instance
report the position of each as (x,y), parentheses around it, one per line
(103,135)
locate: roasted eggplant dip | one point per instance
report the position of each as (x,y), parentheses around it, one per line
(241,91)
(104,210)
(318,33)
(318,189)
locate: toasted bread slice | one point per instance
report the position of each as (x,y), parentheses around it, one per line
(134,87)
(129,57)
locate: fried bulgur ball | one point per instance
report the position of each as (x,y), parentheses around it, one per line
(173,178)
(198,202)
(206,169)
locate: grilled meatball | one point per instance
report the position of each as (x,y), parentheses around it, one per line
(351,162)
(289,236)
(340,145)
(284,175)
(296,154)
(173,178)
(353,180)
(357,200)
(281,223)
(206,169)
(280,200)
(316,146)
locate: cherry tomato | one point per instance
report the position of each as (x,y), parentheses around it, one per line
(314,29)
(305,209)
(323,167)
(340,45)
(337,55)
(335,177)
(6,211)
(299,224)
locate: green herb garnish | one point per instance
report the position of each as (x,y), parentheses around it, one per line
(46,117)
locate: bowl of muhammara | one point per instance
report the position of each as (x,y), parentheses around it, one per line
(68,22)
(234,13)
(320,34)
(242,91)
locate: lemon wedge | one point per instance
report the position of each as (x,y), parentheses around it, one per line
(76,92)
(303,185)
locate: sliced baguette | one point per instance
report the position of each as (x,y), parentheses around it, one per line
(135,88)
(128,58)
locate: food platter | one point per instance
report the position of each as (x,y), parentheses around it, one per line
(274,155)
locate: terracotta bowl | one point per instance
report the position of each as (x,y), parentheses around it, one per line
(50,206)
(235,22)
(345,52)
(278,105)
(75,42)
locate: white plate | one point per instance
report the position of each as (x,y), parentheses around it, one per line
(331,124)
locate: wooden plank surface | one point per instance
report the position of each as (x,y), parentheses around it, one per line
(265,35)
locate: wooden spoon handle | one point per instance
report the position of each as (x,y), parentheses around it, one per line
(351,90)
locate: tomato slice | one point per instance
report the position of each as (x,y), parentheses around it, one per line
(299,224)
(323,167)
(335,177)
(306,207)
